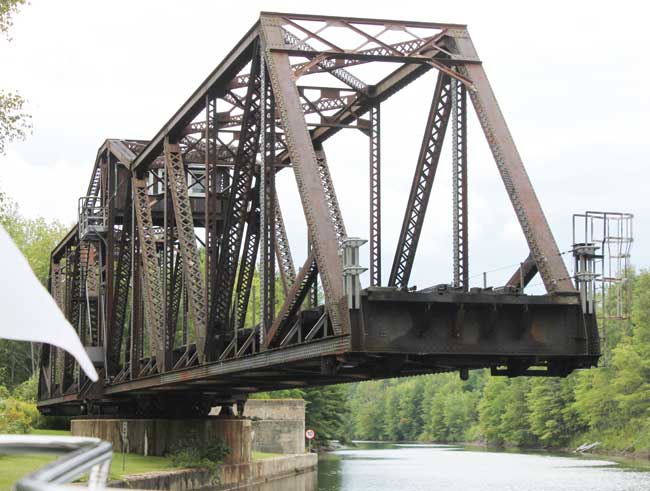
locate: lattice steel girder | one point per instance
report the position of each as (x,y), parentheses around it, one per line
(520,190)
(151,275)
(267,202)
(247,263)
(459,185)
(305,166)
(231,65)
(425,172)
(375,195)
(185,227)
(236,213)
(294,298)
(120,298)
(283,250)
(333,208)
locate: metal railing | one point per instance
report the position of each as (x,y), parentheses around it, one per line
(80,456)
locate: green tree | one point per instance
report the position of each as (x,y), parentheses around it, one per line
(551,417)
(491,408)
(35,238)
(327,411)
(15,123)
(515,425)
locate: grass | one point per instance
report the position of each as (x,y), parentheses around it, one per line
(13,467)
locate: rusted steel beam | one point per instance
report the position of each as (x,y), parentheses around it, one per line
(247,264)
(333,207)
(459,185)
(238,57)
(151,275)
(121,290)
(136,334)
(362,20)
(305,166)
(186,238)
(267,201)
(293,300)
(375,196)
(283,250)
(425,172)
(236,215)
(517,183)
(526,271)
(305,49)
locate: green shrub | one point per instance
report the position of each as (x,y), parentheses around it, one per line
(201,455)
(17,416)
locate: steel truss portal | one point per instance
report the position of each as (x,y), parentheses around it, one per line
(176,322)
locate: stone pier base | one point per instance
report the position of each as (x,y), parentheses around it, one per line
(160,436)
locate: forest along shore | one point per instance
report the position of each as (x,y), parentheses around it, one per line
(608,404)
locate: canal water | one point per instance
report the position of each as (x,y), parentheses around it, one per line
(371,467)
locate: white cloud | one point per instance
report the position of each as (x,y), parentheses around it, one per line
(50,191)
(568,76)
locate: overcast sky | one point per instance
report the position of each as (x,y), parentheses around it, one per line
(570,77)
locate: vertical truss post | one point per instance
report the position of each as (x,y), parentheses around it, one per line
(211,188)
(425,172)
(267,202)
(375,196)
(153,297)
(236,213)
(74,313)
(174,294)
(167,267)
(305,167)
(136,333)
(187,241)
(247,264)
(120,298)
(459,184)
(529,212)
(108,271)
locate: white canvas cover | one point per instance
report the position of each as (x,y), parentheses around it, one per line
(28,312)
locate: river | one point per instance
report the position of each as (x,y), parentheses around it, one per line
(372,466)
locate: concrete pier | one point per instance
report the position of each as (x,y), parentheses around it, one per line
(278,425)
(160,436)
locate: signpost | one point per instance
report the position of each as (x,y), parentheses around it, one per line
(310,435)
(125,442)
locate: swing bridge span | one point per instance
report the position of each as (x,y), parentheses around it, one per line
(158,273)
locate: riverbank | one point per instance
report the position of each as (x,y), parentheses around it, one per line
(229,476)
(639,460)
(150,472)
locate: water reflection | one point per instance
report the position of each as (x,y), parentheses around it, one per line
(373,467)
(300,482)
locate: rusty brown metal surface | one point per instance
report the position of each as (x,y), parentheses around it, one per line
(187,242)
(129,276)
(515,178)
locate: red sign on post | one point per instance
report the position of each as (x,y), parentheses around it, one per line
(310,434)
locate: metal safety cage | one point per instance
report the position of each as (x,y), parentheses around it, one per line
(92,218)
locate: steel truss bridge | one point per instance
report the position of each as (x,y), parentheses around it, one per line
(163,312)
